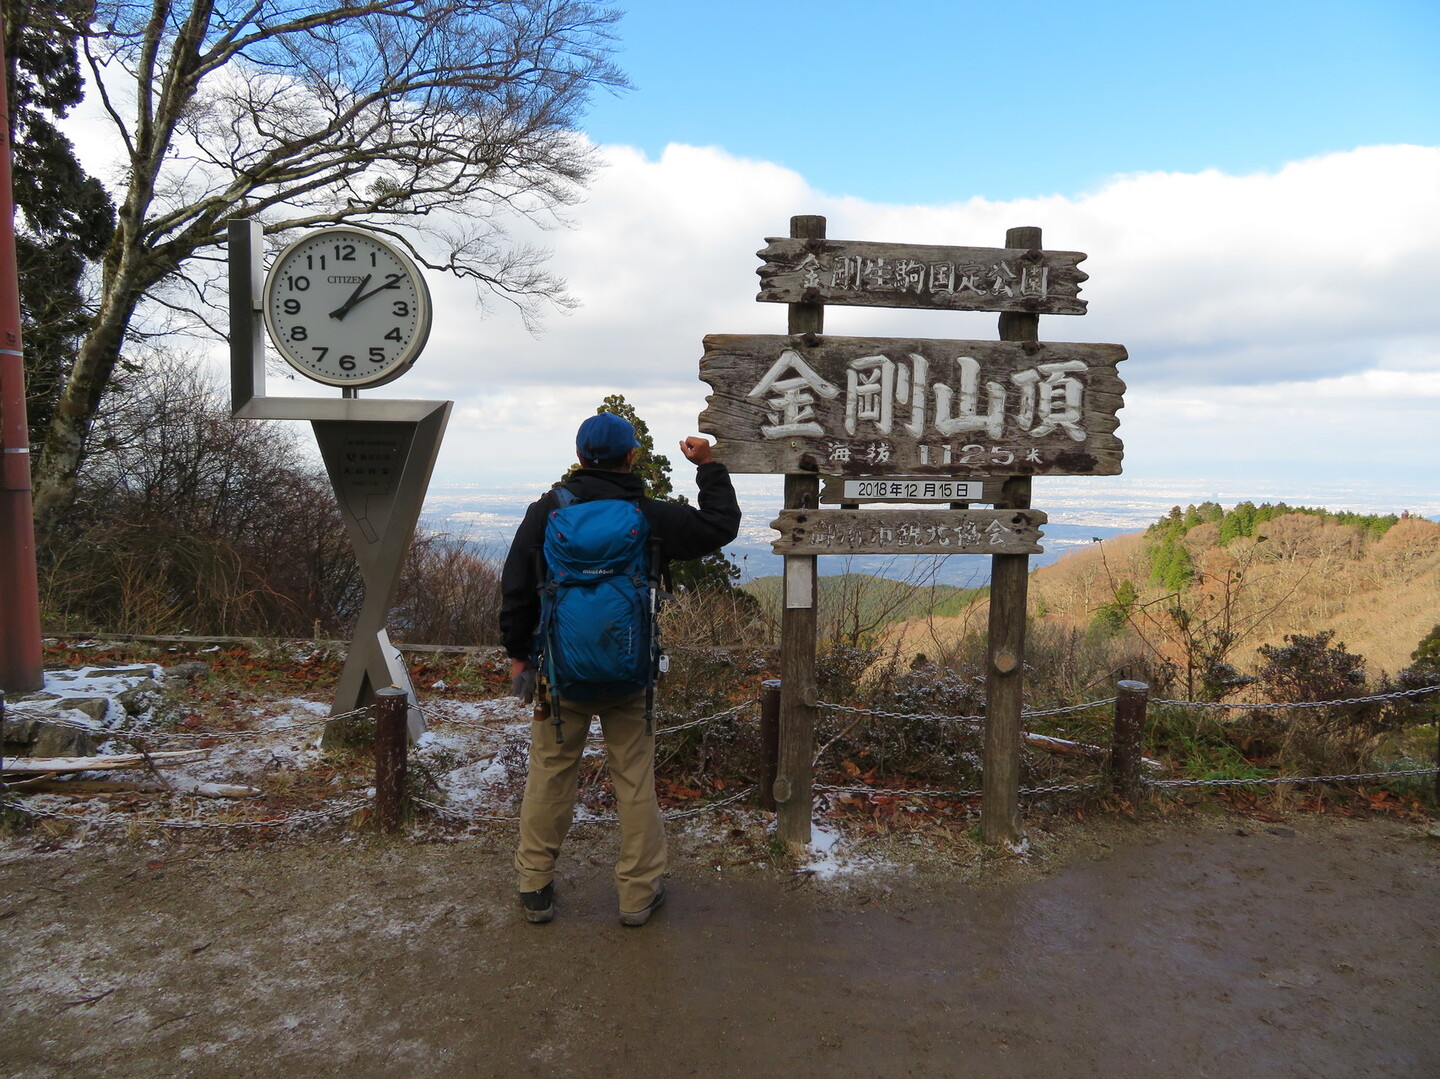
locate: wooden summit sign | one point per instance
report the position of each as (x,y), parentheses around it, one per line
(920,531)
(864,273)
(865,406)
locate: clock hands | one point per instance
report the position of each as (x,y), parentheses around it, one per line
(359,295)
(355,297)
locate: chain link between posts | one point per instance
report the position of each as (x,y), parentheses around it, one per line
(138,737)
(104,820)
(1269,781)
(1269,706)
(111,820)
(974,721)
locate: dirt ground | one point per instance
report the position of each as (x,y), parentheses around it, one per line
(1218,946)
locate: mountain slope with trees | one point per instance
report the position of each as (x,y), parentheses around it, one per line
(1220,584)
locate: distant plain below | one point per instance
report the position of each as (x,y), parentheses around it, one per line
(1081,511)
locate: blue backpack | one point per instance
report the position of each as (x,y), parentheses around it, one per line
(597,633)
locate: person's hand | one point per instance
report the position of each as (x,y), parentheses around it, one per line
(522,680)
(696,450)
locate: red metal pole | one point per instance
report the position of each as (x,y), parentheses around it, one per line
(21,665)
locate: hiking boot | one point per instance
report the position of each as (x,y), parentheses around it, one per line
(641,916)
(539,906)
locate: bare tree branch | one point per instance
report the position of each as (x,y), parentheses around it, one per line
(445,122)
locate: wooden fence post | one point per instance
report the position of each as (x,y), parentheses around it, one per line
(769,740)
(1128,747)
(794,783)
(392,706)
(1005,669)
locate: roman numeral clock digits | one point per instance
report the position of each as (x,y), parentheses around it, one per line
(346,308)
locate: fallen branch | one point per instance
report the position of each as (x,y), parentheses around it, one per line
(1063,747)
(36,783)
(107,762)
(102,788)
(1074,749)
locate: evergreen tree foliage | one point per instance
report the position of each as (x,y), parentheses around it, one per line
(1170,563)
(1427,653)
(1424,670)
(714,571)
(1111,618)
(65,218)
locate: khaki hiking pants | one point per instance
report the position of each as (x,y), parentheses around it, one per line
(549,804)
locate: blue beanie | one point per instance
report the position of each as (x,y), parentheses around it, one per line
(605,437)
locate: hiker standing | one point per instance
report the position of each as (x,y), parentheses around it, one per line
(596,527)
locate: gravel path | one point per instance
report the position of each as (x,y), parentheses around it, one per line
(1224,947)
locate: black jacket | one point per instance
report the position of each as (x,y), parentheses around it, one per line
(684,532)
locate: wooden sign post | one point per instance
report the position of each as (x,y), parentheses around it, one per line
(1005,647)
(795,772)
(911,420)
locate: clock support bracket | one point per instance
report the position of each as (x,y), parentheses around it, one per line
(379,455)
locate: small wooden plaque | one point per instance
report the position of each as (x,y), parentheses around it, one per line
(863,489)
(868,274)
(918,531)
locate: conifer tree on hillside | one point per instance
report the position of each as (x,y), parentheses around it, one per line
(1427,652)
(1424,670)
(714,571)
(65,218)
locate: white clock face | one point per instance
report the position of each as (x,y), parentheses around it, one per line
(346,308)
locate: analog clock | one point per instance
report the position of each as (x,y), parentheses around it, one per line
(347,308)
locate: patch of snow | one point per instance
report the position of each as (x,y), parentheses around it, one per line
(829,858)
(100,681)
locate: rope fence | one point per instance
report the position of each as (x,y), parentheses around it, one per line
(1124,772)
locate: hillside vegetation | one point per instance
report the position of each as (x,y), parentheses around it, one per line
(1188,604)
(1255,575)
(854,606)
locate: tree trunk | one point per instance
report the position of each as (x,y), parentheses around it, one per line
(54,477)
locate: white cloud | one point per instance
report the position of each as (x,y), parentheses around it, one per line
(1265,315)
(1284,316)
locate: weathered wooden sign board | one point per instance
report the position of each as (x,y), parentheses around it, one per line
(834,489)
(865,273)
(918,531)
(868,406)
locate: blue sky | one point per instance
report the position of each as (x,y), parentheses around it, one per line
(932,102)
(1257,186)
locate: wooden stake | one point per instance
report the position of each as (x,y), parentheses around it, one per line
(794,784)
(769,741)
(391,745)
(1005,669)
(1128,745)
